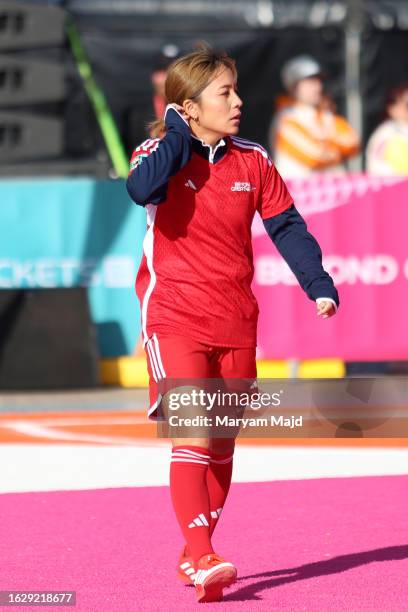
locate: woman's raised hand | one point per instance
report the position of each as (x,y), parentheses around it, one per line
(179,110)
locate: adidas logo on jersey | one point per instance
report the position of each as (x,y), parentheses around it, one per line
(242,187)
(190,184)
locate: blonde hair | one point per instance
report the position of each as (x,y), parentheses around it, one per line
(188,76)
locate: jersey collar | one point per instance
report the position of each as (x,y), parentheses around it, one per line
(211,154)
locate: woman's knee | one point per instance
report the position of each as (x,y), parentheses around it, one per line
(200,442)
(221,446)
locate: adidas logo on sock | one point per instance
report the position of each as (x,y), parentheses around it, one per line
(199,521)
(216,513)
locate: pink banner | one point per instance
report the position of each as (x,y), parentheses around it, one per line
(361,223)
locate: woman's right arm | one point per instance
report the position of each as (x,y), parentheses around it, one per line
(153,166)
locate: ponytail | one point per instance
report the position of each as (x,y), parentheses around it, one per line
(157,129)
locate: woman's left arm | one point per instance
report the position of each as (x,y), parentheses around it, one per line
(303,255)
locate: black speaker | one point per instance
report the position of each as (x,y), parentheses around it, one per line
(47,340)
(24,136)
(24,81)
(23,26)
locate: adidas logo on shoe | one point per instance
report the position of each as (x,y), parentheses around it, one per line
(185,568)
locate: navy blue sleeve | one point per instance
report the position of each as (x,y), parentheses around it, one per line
(147,182)
(302,253)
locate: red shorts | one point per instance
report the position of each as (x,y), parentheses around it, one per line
(180,357)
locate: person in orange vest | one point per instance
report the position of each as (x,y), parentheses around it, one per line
(307,135)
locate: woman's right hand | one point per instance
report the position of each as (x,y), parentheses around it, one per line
(178,108)
(171,119)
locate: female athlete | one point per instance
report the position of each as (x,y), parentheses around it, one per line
(201,185)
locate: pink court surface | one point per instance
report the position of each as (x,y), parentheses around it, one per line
(85,507)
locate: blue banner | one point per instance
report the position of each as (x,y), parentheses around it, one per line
(76,232)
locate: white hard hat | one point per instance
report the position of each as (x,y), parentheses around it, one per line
(298,68)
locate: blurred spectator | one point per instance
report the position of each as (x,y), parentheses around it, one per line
(140,116)
(166,56)
(307,135)
(387,149)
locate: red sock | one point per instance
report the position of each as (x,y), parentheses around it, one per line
(189,494)
(218,483)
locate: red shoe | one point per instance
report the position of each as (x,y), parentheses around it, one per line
(185,568)
(212,576)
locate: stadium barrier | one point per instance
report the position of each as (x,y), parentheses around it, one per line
(82,232)
(131,371)
(76,232)
(360,223)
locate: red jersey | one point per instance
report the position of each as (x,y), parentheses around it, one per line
(197,267)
